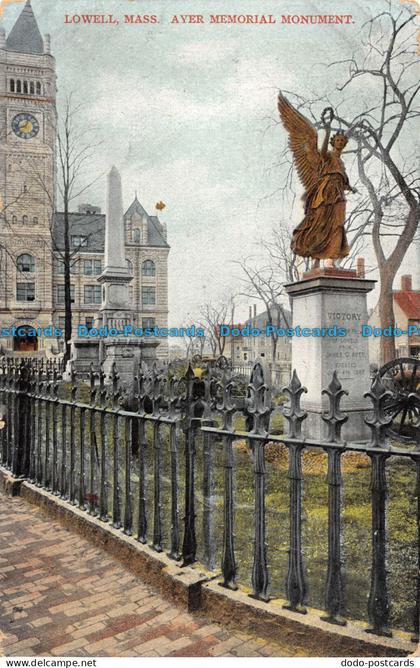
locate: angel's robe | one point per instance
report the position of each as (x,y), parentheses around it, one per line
(321,233)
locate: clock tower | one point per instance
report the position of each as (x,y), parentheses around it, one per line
(28,121)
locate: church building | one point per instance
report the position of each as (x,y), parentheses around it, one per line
(31,230)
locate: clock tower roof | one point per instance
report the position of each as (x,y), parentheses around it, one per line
(25,36)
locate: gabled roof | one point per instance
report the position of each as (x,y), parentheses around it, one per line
(155,230)
(25,36)
(91,226)
(409,303)
(135,207)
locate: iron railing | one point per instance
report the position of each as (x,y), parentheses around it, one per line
(116,453)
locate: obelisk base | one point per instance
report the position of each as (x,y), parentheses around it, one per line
(329,300)
(126,353)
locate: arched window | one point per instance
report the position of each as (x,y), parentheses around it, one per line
(25,220)
(136,236)
(35,220)
(14,220)
(148,268)
(12,85)
(38,88)
(129,266)
(18,86)
(32,88)
(25,87)
(26,263)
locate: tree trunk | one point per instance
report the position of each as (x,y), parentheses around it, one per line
(386,316)
(67,285)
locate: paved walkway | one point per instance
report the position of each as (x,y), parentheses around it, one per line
(61,596)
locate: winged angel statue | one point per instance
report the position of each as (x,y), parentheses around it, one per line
(321,234)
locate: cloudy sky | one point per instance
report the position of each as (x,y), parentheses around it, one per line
(188,114)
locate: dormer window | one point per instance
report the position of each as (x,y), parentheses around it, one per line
(136,236)
(78,240)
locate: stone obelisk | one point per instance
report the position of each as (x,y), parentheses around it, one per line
(116,310)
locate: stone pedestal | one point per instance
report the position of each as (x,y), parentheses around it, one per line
(127,353)
(84,353)
(325,298)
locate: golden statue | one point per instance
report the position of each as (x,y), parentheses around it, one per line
(321,233)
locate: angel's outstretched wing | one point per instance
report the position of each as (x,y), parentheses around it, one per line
(302,141)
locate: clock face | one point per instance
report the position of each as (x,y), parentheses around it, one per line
(25,126)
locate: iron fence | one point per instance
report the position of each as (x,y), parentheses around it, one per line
(126,455)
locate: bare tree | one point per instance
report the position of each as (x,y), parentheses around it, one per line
(212,317)
(74,151)
(383,124)
(267,285)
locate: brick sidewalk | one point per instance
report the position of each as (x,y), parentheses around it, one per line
(61,596)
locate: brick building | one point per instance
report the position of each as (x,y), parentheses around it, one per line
(406,303)
(31,273)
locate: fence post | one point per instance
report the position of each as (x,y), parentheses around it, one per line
(189,545)
(21,453)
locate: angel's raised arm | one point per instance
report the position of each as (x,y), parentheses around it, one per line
(303,141)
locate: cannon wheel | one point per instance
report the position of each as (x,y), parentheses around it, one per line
(402,378)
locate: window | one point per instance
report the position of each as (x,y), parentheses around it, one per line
(78,240)
(129,266)
(25,87)
(24,220)
(26,263)
(60,267)
(61,322)
(148,323)
(18,86)
(12,85)
(32,88)
(25,292)
(38,88)
(87,268)
(92,267)
(148,268)
(136,236)
(89,323)
(93,294)
(35,220)
(14,220)
(148,296)
(60,294)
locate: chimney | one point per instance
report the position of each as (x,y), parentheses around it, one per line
(360,267)
(406,283)
(250,312)
(255,310)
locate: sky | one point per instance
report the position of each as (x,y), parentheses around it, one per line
(188,115)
